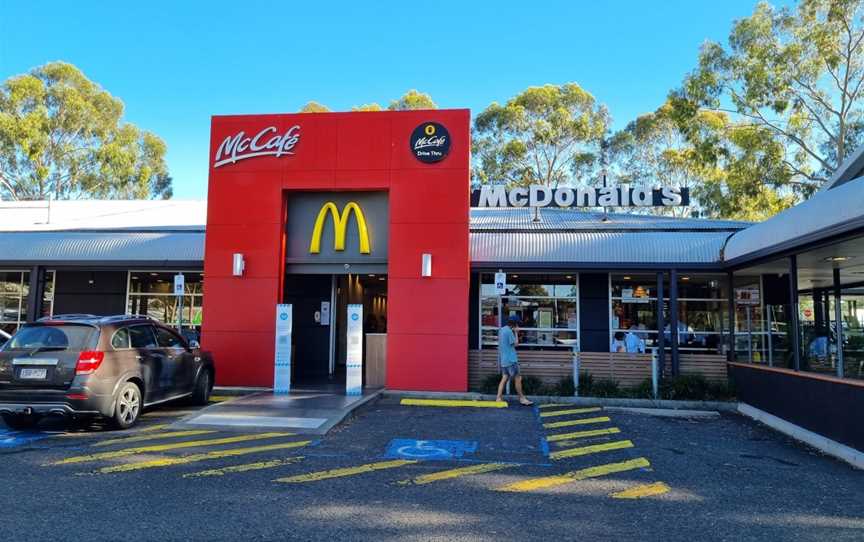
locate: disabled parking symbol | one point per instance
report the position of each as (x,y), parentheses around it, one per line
(13,439)
(429,450)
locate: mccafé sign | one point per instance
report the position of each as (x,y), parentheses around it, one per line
(544,196)
(267,142)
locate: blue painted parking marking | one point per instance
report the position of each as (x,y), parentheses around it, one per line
(13,439)
(429,450)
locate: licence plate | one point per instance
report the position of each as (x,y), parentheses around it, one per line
(33,374)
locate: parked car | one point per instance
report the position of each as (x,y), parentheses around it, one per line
(80,366)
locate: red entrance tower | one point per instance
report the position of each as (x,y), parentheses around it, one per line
(257,161)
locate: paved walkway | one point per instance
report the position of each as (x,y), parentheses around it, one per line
(312,412)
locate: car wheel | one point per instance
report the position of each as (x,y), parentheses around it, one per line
(127,406)
(20,423)
(201,393)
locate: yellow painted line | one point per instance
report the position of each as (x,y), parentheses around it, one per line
(165,447)
(453,403)
(222,398)
(552,405)
(593,449)
(569,411)
(245,468)
(576,475)
(186,459)
(582,434)
(645,490)
(152,436)
(455,473)
(569,423)
(347,471)
(155,427)
(168,413)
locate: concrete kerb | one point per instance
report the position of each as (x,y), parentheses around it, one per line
(238,390)
(683,408)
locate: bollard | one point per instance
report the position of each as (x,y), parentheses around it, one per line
(575,373)
(655,375)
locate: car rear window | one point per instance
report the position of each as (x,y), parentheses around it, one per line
(54,337)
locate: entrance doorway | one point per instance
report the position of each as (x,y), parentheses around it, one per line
(320,303)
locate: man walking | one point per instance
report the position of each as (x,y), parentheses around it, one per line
(508,361)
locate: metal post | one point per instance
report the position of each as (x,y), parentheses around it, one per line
(655,376)
(661,322)
(730,296)
(794,331)
(838,321)
(673,320)
(770,337)
(575,372)
(35,293)
(749,335)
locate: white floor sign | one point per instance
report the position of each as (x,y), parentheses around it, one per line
(282,376)
(354,362)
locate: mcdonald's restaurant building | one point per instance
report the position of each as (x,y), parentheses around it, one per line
(370,214)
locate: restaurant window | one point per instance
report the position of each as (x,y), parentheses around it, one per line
(546,304)
(151,293)
(14,287)
(702,309)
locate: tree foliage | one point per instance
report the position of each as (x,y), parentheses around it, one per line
(314,107)
(62,137)
(796,75)
(541,136)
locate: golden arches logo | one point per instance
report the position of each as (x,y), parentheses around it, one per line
(340,225)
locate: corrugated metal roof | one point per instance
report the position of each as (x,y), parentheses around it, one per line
(827,213)
(35,247)
(493,219)
(598,247)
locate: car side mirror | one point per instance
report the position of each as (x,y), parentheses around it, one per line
(193,344)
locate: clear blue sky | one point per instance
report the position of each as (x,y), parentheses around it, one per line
(174,63)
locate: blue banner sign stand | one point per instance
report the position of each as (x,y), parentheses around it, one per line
(282,375)
(354,351)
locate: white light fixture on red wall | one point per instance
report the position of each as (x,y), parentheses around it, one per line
(239,265)
(426,267)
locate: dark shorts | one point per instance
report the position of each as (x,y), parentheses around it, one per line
(511,370)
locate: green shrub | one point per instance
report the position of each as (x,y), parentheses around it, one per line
(564,387)
(605,388)
(721,391)
(489,385)
(644,390)
(532,385)
(684,387)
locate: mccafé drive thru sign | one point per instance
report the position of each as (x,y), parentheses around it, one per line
(589,196)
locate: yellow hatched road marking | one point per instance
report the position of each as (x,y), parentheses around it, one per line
(582,434)
(583,421)
(152,436)
(347,471)
(455,473)
(645,490)
(165,447)
(593,449)
(221,398)
(167,413)
(183,460)
(245,468)
(453,403)
(155,427)
(576,475)
(569,411)
(553,405)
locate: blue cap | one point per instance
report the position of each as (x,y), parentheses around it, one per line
(513,319)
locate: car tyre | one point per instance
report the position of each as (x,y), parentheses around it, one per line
(201,392)
(127,406)
(20,423)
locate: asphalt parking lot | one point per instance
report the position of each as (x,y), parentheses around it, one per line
(430,473)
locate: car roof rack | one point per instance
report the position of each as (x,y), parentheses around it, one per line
(116,317)
(73,316)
